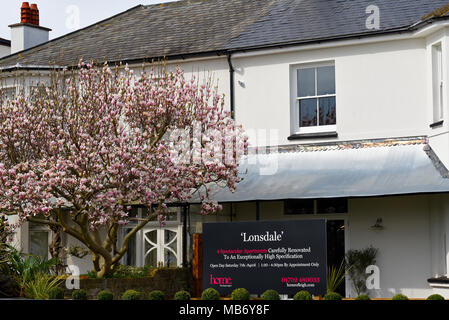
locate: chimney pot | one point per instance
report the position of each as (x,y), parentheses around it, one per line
(25,13)
(34,14)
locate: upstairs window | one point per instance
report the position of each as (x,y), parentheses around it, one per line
(315,99)
(437,82)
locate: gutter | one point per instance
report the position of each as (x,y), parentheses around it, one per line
(231,85)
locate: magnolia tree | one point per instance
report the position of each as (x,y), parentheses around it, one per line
(76,152)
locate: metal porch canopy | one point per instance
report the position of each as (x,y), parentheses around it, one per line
(377,169)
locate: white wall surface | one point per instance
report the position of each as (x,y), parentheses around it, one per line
(381,89)
(4,51)
(24,37)
(404,256)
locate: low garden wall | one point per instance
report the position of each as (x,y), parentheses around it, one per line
(168,280)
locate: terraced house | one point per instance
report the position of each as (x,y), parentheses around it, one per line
(346,104)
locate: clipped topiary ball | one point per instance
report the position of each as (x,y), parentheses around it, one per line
(332,296)
(131,295)
(363,297)
(210,294)
(56,293)
(79,294)
(399,297)
(240,294)
(303,295)
(270,295)
(435,297)
(156,295)
(182,295)
(105,295)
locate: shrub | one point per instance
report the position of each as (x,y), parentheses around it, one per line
(332,296)
(56,293)
(363,297)
(210,294)
(240,294)
(105,295)
(399,297)
(39,287)
(182,295)
(302,295)
(358,261)
(270,295)
(131,295)
(79,294)
(156,295)
(435,297)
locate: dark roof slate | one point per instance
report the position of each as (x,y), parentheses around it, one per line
(207,26)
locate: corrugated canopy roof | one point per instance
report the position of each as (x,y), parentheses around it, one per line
(363,171)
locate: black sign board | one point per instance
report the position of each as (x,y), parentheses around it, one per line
(286,256)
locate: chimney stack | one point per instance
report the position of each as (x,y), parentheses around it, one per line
(28,33)
(29,14)
(25,13)
(34,14)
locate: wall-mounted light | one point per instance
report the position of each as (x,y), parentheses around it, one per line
(378,225)
(241,83)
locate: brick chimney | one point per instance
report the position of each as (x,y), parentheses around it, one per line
(28,33)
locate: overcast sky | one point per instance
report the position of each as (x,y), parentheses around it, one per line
(64,16)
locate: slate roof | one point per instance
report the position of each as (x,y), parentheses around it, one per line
(191,27)
(5,42)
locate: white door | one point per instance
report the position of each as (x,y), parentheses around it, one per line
(162,247)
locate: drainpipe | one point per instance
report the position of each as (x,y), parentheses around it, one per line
(231,86)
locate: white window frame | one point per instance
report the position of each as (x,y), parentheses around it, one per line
(437,81)
(296,122)
(171,225)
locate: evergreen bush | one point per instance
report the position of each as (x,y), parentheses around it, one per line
(270,295)
(56,293)
(79,294)
(303,295)
(399,297)
(105,295)
(210,294)
(332,296)
(131,295)
(156,295)
(240,294)
(182,295)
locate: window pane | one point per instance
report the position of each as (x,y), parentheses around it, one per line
(130,255)
(307,112)
(170,259)
(326,80)
(328,114)
(306,82)
(339,205)
(39,243)
(298,206)
(151,248)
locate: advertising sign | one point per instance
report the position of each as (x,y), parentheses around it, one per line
(287,256)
